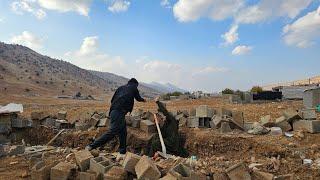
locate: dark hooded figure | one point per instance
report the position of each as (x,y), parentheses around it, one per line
(121,103)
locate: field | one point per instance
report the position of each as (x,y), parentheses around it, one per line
(278,155)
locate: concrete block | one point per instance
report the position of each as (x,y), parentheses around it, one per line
(62,115)
(40,171)
(83,159)
(238,171)
(103,122)
(148,126)
(311,98)
(100,165)
(94,120)
(88,176)
(259,175)
(135,122)
(63,171)
(146,169)
(238,119)
(19,123)
(276,131)
(116,173)
(130,162)
(5,123)
(204,111)
(311,126)
(207,122)
(193,122)
(308,114)
(183,122)
(220,176)
(225,127)
(201,122)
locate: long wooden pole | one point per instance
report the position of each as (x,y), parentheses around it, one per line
(163,146)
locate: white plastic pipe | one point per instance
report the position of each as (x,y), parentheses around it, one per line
(163,146)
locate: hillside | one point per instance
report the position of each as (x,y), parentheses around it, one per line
(165,88)
(312,80)
(26,72)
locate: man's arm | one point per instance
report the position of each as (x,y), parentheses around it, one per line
(138,97)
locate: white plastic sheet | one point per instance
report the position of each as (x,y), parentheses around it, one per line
(11,108)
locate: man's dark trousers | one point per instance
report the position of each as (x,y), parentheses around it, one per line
(117,127)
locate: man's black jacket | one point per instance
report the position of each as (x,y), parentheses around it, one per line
(123,98)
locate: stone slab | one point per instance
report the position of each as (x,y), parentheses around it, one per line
(146,169)
(83,159)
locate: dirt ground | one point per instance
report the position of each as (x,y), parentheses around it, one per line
(215,152)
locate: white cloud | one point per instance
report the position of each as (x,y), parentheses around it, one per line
(89,57)
(269,9)
(1,20)
(241,50)
(231,36)
(304,30)
(29,6)
(28,39)
(80,6)
(209,70)
(119,6)
(165,3)
(191,10)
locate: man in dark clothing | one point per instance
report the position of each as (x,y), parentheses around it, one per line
(121,103)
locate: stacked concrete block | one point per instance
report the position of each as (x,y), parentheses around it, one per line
(223,112)
(311,126)
(130,162)
(83,159)
(62,115)
(193,122)
(204,111)
(237,172)
(148,126)
(146,169)
(311,98)
(100,165)
(63,171)
(116,173)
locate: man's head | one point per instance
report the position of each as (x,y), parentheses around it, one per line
(133,81)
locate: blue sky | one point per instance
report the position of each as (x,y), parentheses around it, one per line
(196,44)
